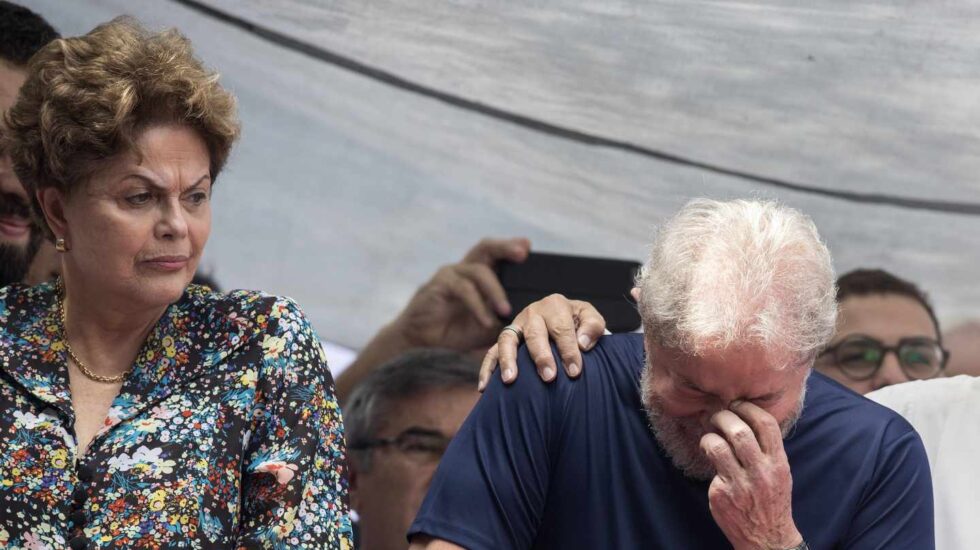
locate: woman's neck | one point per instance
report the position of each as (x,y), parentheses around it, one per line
(106,333)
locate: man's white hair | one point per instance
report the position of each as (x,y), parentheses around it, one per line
(739,273)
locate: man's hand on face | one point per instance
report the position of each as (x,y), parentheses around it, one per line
(751,497)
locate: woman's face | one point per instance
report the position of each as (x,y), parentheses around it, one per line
(138,227)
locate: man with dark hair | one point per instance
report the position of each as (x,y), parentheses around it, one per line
(887,333)
(398,422)
(882,313)
(22,33)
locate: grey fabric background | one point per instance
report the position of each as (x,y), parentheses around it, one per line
(346,193)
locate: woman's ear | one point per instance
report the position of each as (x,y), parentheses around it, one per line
(635,293)
(53,205)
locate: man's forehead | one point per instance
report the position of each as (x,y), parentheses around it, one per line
(885,317)
(441,409)
(743,367)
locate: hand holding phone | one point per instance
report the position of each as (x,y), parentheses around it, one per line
(603,282)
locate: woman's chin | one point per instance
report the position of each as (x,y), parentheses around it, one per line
(163,289)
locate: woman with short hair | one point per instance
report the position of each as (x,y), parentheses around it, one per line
(137,410)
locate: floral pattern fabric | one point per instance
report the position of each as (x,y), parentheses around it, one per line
(225,435)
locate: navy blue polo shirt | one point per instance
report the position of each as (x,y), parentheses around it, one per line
(573,464)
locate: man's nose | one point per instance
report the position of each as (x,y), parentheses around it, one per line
(890,372)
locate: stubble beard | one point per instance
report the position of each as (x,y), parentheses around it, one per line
(680,438)
(15,259)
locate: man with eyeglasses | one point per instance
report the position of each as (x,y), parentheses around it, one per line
(889,346)
(887,333)
(399,421)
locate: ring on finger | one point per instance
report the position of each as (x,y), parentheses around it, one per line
(518,331)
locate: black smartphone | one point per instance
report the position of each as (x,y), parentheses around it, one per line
(603,282)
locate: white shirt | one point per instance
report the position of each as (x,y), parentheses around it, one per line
(946,413)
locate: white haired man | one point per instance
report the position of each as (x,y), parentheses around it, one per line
(692,435)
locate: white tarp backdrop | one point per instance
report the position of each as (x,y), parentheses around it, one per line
(350,187)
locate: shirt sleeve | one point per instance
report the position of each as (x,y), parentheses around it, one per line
(897,509)
(294,488)
(490,489)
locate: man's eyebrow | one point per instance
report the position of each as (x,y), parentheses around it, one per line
(690,383)
(768,396)
(419,430)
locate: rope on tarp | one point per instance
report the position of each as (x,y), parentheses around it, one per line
(571,134)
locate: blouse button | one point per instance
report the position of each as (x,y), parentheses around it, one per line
(79,495)
(86,473)
(77,519)
(79,543)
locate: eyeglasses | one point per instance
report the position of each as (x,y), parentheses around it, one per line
(859,357)
(420,444)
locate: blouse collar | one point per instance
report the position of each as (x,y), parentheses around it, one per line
(192,338)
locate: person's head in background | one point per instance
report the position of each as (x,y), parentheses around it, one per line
(22,33)
(399,421)
(887,333)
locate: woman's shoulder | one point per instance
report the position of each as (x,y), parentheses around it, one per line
(274,324)
(252,310)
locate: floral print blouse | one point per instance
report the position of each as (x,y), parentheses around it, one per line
(225,435)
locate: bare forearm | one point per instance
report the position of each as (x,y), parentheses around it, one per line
(387,344)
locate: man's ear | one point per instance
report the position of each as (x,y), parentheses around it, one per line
(53,205)
(635,293)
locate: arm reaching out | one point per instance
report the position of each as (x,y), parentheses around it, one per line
(457,309)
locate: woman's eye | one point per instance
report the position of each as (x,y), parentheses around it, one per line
(139,199)
(198,198)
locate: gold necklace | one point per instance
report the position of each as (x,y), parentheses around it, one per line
(78,362)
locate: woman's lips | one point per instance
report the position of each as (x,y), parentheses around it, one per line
(167,263)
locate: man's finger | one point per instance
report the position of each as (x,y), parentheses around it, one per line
(720,453)
(487,367)
(538,346)
(763,424)
(591,324)
(740,437)
(491,251)
(466,291)
(487,284)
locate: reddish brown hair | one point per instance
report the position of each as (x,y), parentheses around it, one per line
(88,98)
